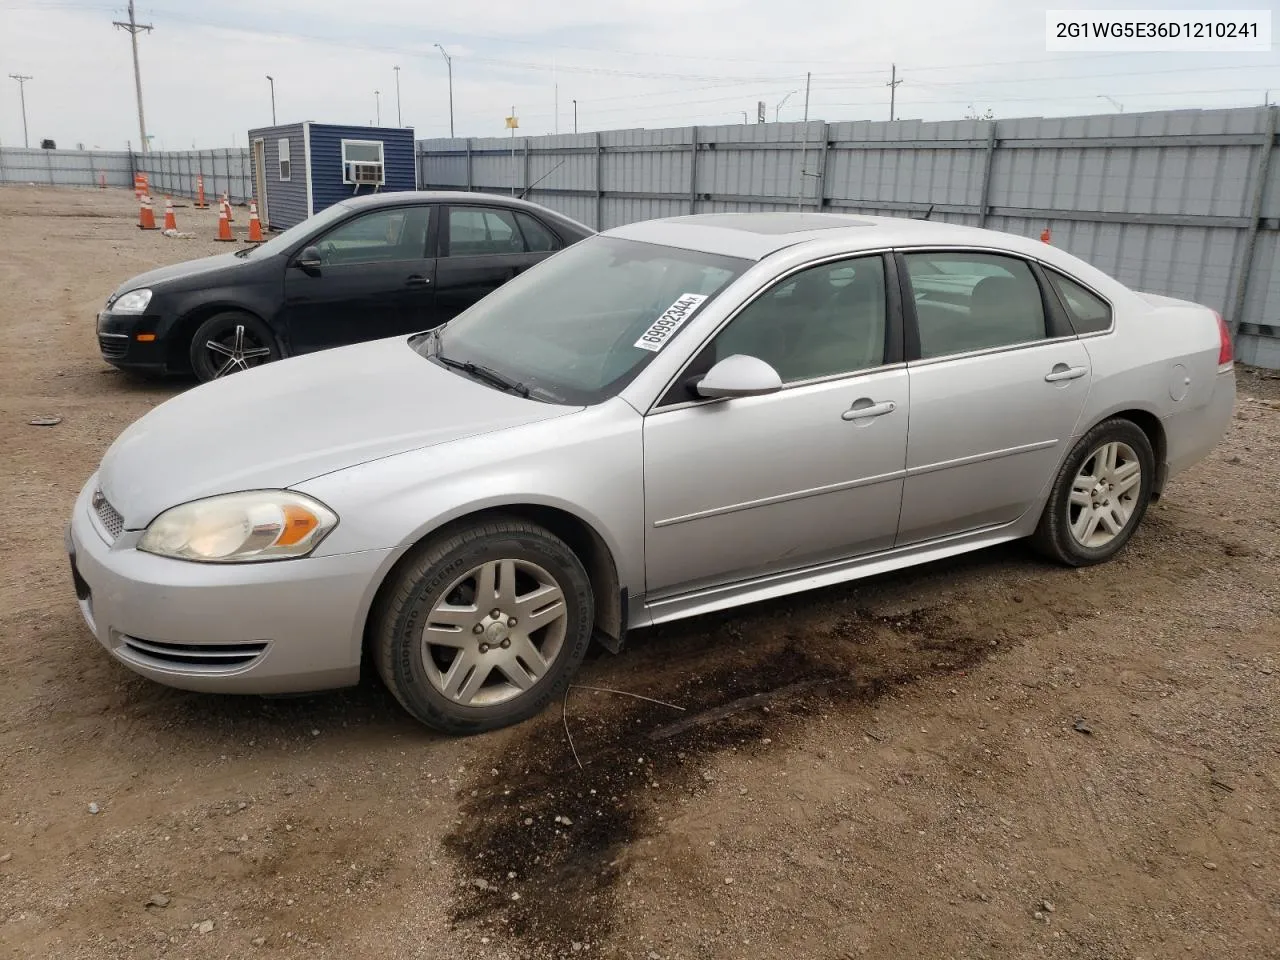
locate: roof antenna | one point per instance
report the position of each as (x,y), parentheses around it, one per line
(928,213)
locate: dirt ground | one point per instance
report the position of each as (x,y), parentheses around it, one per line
(987,757)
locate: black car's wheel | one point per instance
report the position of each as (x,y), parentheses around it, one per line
(230,342)
(483,627)
(1099,496)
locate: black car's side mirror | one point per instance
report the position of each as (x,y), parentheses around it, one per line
(309,259)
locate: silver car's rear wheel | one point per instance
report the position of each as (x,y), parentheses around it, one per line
(494,633)
(1104,494)
(483,625)
(1099,495)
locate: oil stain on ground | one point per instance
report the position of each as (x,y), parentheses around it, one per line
(541,846)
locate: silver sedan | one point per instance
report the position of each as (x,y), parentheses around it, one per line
(669,418)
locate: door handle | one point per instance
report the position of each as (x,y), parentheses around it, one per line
(417,280)
(1062,372)
(866,407)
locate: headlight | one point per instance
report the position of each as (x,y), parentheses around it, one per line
(135,301)
(240,528)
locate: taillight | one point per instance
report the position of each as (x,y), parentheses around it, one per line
(1224,341)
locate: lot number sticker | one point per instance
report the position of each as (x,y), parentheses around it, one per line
(656,337)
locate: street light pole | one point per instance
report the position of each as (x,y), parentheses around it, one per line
(778,109)
(272,80)
(448,60)
(22,79)
(575,116)
(377,102)
(399,119)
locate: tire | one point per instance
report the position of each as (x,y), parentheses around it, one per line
(425,643)
(1090,485)
(243,342)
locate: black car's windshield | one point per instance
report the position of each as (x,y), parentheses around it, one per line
(581,325)
(287,238)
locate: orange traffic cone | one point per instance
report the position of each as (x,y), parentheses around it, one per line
(226,204)
(1045,235)
(224,226)
(200,201)
(140,186)
(146,216)
(170,221)
(255,225)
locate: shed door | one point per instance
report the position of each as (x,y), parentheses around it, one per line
(260,180)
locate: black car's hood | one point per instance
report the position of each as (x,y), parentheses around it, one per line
(189,269)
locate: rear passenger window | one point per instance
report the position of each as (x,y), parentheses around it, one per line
(973,301)
(1088,312)
(479,231)
(537,238)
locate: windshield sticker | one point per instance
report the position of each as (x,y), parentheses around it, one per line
(656,337)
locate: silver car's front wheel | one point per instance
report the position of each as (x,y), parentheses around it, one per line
(1099,495)
(494,633)
(483,625)
(1104,494)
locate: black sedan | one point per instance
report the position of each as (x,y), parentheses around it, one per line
(366,268)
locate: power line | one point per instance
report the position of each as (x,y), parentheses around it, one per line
(134,28)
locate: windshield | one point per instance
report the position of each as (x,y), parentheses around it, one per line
(283,241)
(581,325)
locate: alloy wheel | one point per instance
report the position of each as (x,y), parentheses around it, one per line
(1104,494)
(236,349)
(494,633)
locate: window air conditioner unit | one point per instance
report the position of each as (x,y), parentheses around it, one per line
(365,173)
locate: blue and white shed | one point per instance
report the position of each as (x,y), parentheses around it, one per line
(301,168)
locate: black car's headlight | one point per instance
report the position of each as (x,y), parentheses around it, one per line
(240,528)
(135,301)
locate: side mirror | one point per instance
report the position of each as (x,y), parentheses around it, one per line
(739,376)
(309,259)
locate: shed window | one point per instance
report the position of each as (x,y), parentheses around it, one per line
(362,162)
(282,146)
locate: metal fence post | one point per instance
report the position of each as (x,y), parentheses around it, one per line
(470,186)
(984,199)
(693,170)
(820,194)
(527,174)
(1236,316)
(48,159)
(599,182)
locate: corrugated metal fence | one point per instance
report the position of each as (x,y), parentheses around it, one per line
(174,172)
(77,168)
(1183,203)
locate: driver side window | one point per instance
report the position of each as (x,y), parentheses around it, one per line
(382,236)
(820,322)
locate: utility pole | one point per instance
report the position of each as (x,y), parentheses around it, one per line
(134,29)
(893,89)
(273,98)
(22,79)
(399,119)
(377,106)
(448,60)
(807,78)
(575,116)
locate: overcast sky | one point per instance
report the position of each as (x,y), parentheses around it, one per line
(628,63)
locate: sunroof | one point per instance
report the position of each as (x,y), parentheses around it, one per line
(775,223)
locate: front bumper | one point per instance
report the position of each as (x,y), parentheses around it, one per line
(287,626)
(119,346)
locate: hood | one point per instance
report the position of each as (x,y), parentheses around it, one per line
(280,424)
(181,271)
